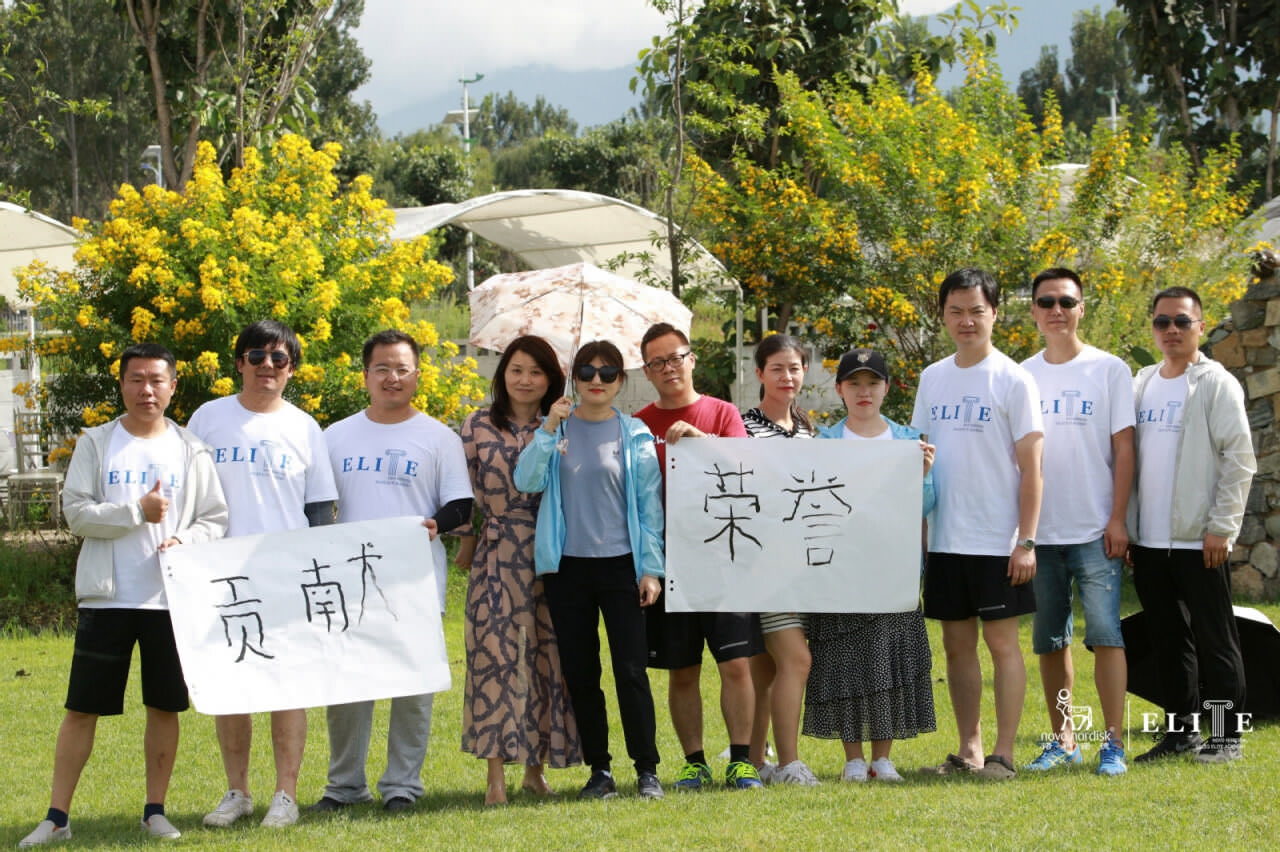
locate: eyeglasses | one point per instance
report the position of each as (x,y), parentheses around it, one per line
(279,358)
(1163,321)
(383,372)
(1064,302)
(607,374)
(656,365)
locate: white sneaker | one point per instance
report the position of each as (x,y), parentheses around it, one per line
(159,826)
(235,804)
(796,772)
(283,811)
(882,770)
(46,832)
(768,771)
(855,770)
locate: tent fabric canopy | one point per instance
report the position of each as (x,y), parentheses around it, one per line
(558,227)
(26,236)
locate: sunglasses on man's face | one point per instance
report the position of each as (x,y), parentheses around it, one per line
(1064,302)
(607,374)
(1163,321)
(279,358)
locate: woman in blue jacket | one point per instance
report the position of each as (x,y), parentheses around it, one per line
(869,679)
(598,550)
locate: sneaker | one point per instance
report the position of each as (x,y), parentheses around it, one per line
(796,772)
(599,786)
(1111,759)
(234,804)
(326,805)
(768,771)
(693,777)
(855,771)
(46,832)
(1054,756)
(282,813)
(882,769)
(159,826)
(1219,750)
(1171,745)
(648,786)
(742,775)
(396,804)
(996,768)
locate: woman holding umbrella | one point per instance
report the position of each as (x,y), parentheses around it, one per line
(599,552)
(515,708)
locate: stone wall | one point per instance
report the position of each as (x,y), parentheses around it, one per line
(1248,344)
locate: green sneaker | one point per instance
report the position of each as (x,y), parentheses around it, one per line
(742,775)
(693,777)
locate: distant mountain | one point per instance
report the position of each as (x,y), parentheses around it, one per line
(591,97)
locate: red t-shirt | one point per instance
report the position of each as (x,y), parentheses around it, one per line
(717,418)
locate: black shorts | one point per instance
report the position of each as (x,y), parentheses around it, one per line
(958,586)
(104,653)
(676,638)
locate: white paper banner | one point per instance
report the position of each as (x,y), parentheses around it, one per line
(308,618)
(793,526)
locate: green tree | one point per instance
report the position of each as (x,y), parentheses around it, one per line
(505,121)
(188,270)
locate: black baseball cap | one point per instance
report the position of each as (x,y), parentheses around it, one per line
(862,359)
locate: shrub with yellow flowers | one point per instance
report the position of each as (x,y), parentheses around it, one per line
(888,190)
(278,239)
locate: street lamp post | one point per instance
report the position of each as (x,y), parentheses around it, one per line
(156,170)
(464,118)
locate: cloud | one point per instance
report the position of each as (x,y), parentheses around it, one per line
(925,7)
(421,49)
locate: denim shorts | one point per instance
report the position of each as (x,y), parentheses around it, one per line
(1098,580)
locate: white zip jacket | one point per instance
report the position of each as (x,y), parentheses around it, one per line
(1215,462)
(202,515)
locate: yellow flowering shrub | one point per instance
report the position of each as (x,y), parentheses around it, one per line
(278,238)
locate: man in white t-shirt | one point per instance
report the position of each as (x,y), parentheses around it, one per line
(271,459)
(1195,464)
(391,460)
(1086,400)
(135,486)
(980,409)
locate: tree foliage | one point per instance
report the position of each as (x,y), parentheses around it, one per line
(277,239)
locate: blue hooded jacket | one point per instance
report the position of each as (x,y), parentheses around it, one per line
(900,433)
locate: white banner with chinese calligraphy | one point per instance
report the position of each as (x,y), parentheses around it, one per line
(793,526)
(308,618)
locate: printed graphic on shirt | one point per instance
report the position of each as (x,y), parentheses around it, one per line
(392,467)
(1068,408)
(967,415)
(265,458)
(1167,418)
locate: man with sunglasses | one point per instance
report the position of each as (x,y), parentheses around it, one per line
(271,459)
(391,460)
(1086,400)
(676,639)
(1195,464)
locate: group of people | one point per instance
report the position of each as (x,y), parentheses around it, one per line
(1036,476)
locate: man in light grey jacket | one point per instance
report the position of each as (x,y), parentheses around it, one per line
(1195,463)
(136,486)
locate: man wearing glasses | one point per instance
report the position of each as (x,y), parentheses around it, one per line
(1195,464)
(1086,400)
(676,639)
(391,460)
(271,459)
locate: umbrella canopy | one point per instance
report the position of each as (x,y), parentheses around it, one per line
(568,306)
(26,236)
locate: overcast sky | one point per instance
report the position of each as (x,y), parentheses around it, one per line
(421,49)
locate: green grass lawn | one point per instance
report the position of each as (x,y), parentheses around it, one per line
(1176,804)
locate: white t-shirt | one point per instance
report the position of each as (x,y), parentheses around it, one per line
(1159,426)
(270,464)
(388,470)
(1083,403)
(974,416)
(132,467)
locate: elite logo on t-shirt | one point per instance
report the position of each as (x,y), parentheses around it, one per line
(145,478)
(1167,419)
(392,466)
(969,415)
(264,459)
(1070,408)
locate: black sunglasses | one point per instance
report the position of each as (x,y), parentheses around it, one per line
(1064,302)
(1163,321)
(279,358)
(608,374)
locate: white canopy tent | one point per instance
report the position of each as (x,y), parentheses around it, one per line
(26,236)
(558,227)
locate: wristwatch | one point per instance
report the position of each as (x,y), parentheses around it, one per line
(1028,543)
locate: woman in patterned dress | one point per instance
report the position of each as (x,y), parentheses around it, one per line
(515,706)
(870,674)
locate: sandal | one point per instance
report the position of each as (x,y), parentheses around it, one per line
(953,765)
(997,768)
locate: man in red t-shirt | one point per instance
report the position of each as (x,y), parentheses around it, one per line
(676,639)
